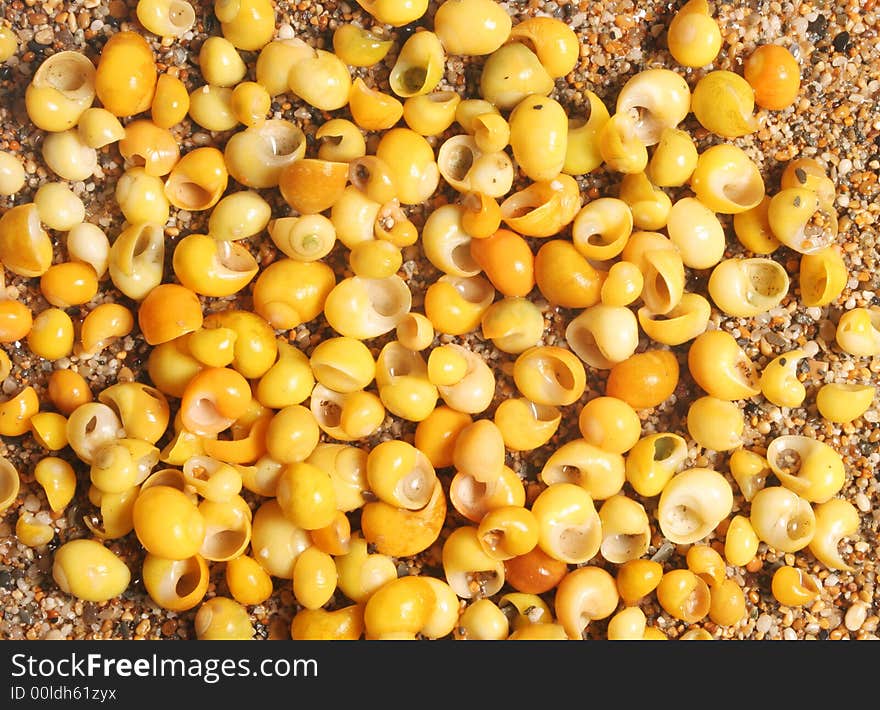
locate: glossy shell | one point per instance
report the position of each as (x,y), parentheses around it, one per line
(125,80)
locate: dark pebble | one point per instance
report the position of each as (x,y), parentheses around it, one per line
(65,37)
(841,42)
(406,31)
(135,590)
(752,409)
(25,617)
(211,24)
(6,579)
(819,26)
(823,634)
(123,630)
(90,614)
(866,448)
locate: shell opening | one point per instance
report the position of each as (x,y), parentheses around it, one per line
(461,257)
(799,527)
(471,290)
(485,581)
(542,412)
(440,97)
(557,374)
(338,374)
(766,281)
(142,243)
(106,456)
(145,464)
(491,539)
(390,214)
(647,127)
(819,287)
(583,342)
(400,363)
(472,202)
(383,300)
(281,142)
(567,473)
(188,581)
(190,194)
(820,230)
(170,477)
(199,474)
(600,239)
(330,413)
(203,412)
(743,193)
(8,483)
(415,488)
(460,160)
(575,542)
(223,543)
(807,582)
(181,14)
(663,448)
(521,203)
(470,495)
(623,546)
(360,174)
(333,140)
(67,76)
(233,257)
(412,79)
(683,520)
(93,522)
(660,287)
(745,372)
(788,461)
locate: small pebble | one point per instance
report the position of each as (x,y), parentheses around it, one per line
(763,624)
(841,41)
(855,617)
(44,37)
